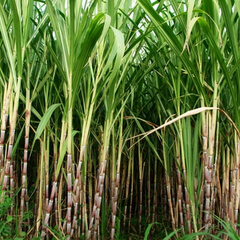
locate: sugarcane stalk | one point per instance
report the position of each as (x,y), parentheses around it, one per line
(99,193)
(55,156)
(180,187)
(180,196)
(84,140)
(231,192)
(141,172)
(188,205)
(212,118)
(236,207)
(84,206)
(12,129)
(215,184)
(59,199)
(112,181)
(165,199)
(95,202)
(25,159)
(127,192)
(90,190)
(154,217)
(4,119)
(54,184)
(117,178)
(40,187)
(131,195)
(149,191)
(227,184)
(24,189)
(12,185)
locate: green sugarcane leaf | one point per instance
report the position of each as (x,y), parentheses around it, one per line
(18,36)
(94,34)
(205,27)
(61,157)
(45,120)
(62,154)
(60,30)
(16,145)
(169,236)
(171,39)
(37,31)
(149,229)
(7,42)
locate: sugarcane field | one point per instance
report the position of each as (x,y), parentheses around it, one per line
(120,119)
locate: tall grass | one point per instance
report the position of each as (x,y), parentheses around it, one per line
(116,115)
